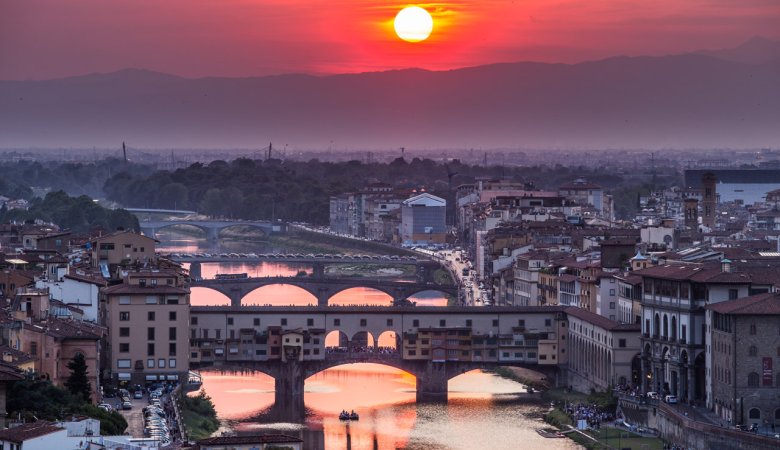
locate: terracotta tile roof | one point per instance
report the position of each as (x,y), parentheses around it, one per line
(600,321)
(9,372)
(87,279)
(245,440)
(68,329)
(28,431)
(760,304)
(694,272)
(132,289)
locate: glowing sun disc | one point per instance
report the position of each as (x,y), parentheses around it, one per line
(413,24)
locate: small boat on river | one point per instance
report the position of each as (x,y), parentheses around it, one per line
(349,416)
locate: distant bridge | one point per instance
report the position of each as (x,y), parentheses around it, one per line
(159,211)
(434,344)
(323,289)
(212,228)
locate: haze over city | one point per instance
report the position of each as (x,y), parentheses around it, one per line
(201,74)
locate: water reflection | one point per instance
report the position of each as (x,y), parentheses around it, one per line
(484,411)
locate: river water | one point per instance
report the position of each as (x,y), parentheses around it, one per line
(484,411)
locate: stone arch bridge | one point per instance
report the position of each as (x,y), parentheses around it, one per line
(435,344)
(322,288)
(212,228)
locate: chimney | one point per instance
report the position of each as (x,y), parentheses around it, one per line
(725,265)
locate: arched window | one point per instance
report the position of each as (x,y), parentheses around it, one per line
(666,327)
(656,326)
(753,350)
(754,413)
(753,379)
(674,328)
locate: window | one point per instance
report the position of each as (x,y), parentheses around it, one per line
(151,299)
(150,316)
(172,300)
(150,349)
(284,321)
(753,350)
(733,294)
(124,347)
(611,292)
(172,315)
(219,333)
(752,328)
(123,363)
(521,323)
(754,413)
(611,305)
(495,322)
(172,333)
(172,363)
(124,316)
(753,379)
(547,322)
(412,352)
(124,299)
(124,332)
(161,363)
(150,333)
(389,322)
(150,363)
(194,320)
(309,322)
(256,322)
(172,349)
(363,322)
(442,323)
(336,322)
(230,321)
(468,322)
(415,323)
(621,343)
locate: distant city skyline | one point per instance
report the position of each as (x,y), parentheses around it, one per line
(44,39)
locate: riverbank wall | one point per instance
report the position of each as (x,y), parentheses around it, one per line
(676,428)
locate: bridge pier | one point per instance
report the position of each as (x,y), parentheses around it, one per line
(235,297)
(288,392)
(195,270)
(432,383)
(212,234)
(318,270)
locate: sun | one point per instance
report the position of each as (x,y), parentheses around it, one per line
(413,24)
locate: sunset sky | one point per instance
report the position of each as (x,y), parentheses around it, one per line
(42,39)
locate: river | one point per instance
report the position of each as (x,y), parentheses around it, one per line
(484,411)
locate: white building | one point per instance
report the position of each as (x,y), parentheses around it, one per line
(41,435)
(423,220)
(76,289)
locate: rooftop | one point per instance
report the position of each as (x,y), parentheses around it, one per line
(760,304)
(28,431)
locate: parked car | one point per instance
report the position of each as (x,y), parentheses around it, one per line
(670,399)
(127,405)
(138,394)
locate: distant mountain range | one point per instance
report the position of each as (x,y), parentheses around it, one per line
(721,98)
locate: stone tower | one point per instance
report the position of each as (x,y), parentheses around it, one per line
(709,199)
(691,209)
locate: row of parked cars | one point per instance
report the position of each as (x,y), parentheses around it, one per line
(155,420)
(289,255)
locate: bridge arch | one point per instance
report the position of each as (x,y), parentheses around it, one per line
(219,229)
(246,299)
(396,363)
(174,223)
(344,289)
(389,338)
(199,296)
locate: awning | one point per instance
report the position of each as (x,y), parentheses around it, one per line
(16,261)
(123,376)
(151,378)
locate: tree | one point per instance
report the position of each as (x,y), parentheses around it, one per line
(77,382)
